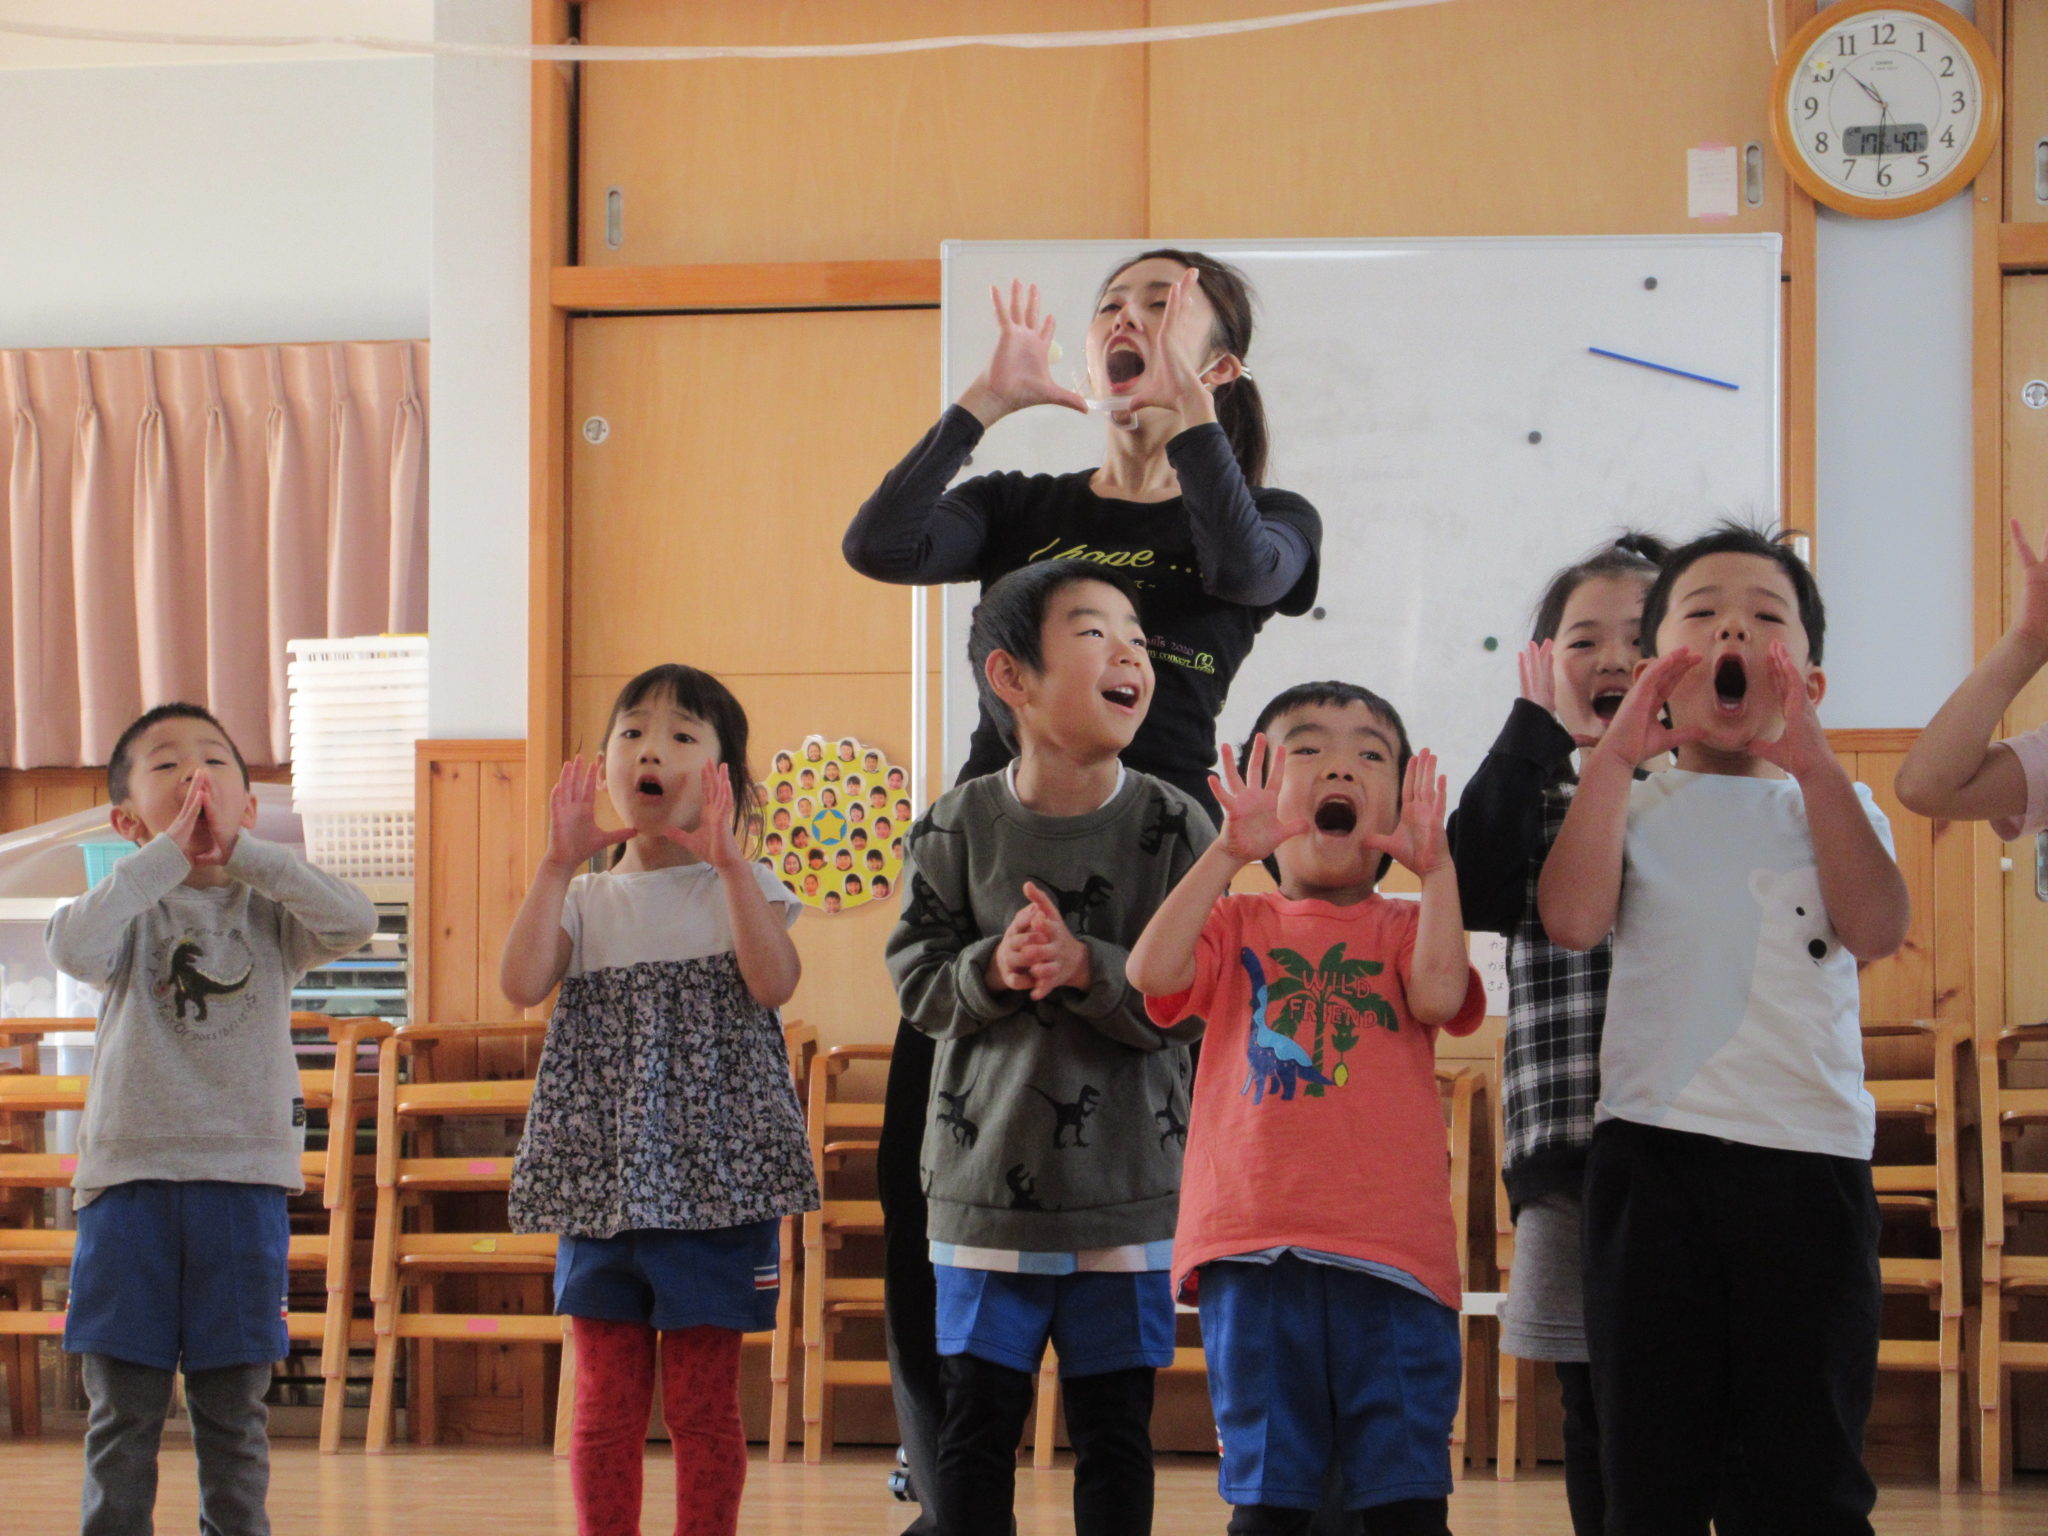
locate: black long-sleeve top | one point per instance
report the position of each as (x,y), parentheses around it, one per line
(1210,565)
(1501,833)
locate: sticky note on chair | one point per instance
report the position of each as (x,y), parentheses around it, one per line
(483,1165)
(483,1325)
(483,1090)
(484,1245)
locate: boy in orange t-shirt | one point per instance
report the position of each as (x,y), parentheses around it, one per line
(1315,1199)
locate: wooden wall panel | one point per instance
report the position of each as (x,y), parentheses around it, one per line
(706,525)
(470,874)
(883,157)
(2026,107)
(2026,471)
(1489,117)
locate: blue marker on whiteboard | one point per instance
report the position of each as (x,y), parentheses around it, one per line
(1644,362)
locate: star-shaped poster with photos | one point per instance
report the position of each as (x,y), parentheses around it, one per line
(834,814)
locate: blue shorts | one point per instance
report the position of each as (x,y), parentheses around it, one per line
(1311,1362)
(1097,1322)
(168,1274)
(729,1277)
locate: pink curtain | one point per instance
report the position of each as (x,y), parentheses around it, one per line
(176,514)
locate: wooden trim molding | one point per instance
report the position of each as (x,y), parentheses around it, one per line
(2022,247)
(748,285)
(1880,740)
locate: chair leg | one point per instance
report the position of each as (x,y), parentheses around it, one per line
(1464,1396)
(1048,1405)
(1951,1427)
(814,1345)
(779,1349)
(1507,1438)
(383,1376)
(565,1394)
(1991,1394)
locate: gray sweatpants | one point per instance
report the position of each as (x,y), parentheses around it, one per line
(129,1404)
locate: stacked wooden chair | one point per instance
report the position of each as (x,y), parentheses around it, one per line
(2008,1105)
(29,1250)
(414,1254)
(1462,1090)
(844,1133)
(1918,1102)
(801,1041)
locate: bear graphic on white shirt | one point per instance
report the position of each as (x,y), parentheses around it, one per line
(1787,1042)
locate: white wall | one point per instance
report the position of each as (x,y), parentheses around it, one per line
(216,203)
(477,488)
(1893,466)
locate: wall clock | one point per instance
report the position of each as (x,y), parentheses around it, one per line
(1882,108)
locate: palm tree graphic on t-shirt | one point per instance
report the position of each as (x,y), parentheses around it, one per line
(1325,1002)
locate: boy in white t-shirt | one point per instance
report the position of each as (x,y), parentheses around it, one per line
(1956,771)
(1732,1289)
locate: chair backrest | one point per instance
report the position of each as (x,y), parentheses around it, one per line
(841,1127)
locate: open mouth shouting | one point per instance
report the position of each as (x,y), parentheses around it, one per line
(648,788)
(1731,685)
(1337,816)
(1607,702)
(1123,364)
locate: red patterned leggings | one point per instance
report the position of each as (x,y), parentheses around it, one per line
(700,1404)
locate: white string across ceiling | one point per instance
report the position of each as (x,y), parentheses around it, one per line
(654,55)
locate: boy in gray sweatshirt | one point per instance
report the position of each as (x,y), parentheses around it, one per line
(194,1126)
(1052,1151)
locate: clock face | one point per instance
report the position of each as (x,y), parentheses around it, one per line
(1884,110)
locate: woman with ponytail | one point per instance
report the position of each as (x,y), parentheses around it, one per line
(1177,504)
(1178,507)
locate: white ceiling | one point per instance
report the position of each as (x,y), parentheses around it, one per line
(407,19)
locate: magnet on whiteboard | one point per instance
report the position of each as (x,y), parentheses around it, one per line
(595,430)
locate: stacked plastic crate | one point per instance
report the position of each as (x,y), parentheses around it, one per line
(357,707)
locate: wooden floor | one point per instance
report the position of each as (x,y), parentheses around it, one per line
(523,1493)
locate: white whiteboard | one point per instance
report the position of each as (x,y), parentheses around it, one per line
(1402,381)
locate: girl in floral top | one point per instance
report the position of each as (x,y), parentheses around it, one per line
(664,1144)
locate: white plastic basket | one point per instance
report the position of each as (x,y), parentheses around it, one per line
(358,648)
(360,845)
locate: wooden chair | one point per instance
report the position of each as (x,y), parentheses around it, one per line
(2005,1109)
(408,1261)
(30,1247)
(1461,1088)
(800,1040)
(1926,1186)
(30,1251)
(840,1130)
(1514,1378)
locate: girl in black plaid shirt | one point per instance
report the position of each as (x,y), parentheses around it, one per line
(1574,672)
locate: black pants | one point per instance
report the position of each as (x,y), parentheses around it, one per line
(1404,1517)
(1109,1420)
(1732,1301)
(910,1294)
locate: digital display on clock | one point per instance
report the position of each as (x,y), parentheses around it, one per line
(1891,139)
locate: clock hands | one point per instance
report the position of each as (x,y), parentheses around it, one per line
(1884,113)
(1867,90)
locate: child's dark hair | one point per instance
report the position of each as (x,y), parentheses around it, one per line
(1730,537)
(698,693)
(1239,409)
(120,761)
(1305,694)
(1629,553)
(1011,618)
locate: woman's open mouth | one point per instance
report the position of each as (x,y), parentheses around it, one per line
(1731,684)
(1607,704)
(1124,366)
(1338,817)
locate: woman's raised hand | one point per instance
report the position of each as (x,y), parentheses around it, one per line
(1252,825)
(1019,372)
(573,832)
(1170,381)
